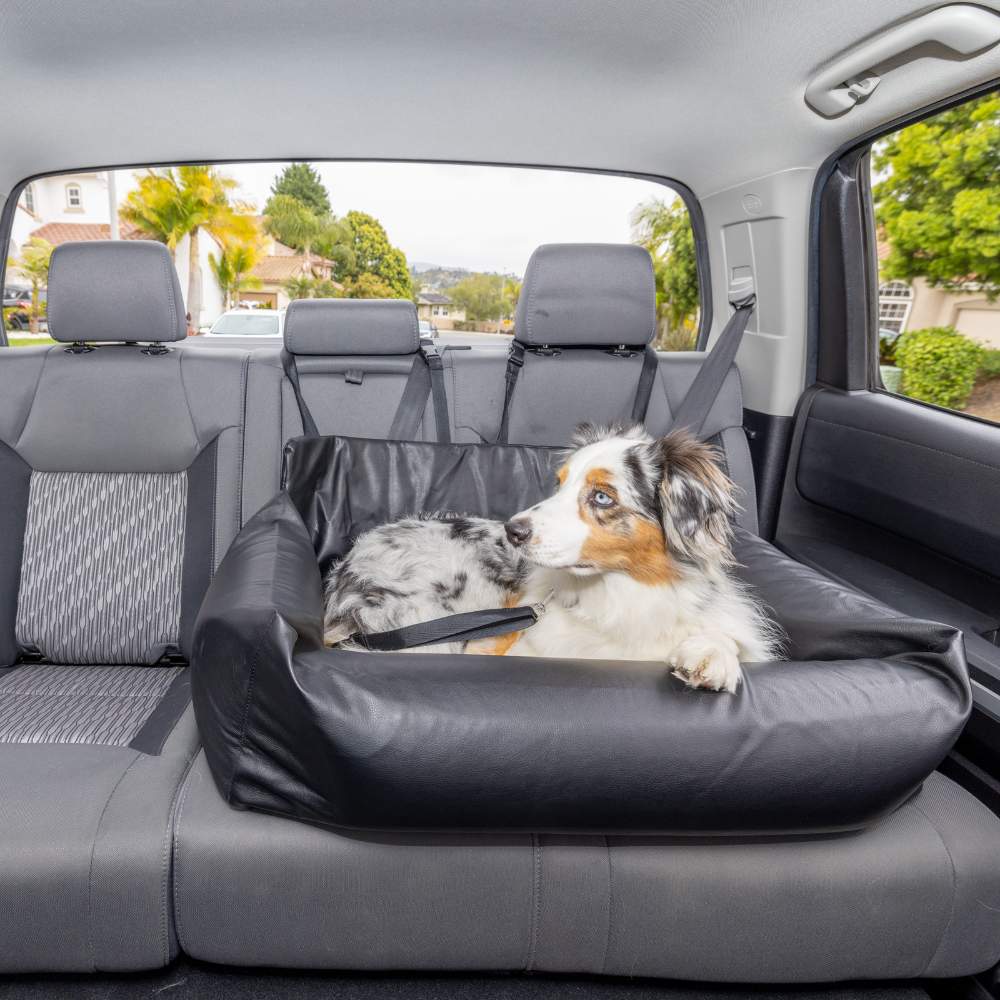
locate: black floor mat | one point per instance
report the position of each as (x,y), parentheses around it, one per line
(187,980)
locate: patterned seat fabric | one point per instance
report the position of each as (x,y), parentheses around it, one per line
(80,704)
(101,573)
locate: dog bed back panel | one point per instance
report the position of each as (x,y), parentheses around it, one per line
(865,707)
(342,486)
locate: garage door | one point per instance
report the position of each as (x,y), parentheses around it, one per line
(980,324)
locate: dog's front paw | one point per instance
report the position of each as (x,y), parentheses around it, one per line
(708,663)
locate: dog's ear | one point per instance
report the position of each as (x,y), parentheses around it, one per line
(697,500)
(588,433)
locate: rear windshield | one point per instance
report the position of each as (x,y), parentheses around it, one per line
(249,324)
(453,239)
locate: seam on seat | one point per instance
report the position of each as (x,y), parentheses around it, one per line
(31,405)
(607,940)
(954,888)
(187,403)
(536,901)
(166,857)
(912,444)
(93,851)
(176,881)
(244,390)
(168,266)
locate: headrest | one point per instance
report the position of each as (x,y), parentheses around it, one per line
(114,290)
(582,294)
(351,326)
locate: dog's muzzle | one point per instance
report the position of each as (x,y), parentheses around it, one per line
(518,530)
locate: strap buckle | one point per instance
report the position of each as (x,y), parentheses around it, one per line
(539,608)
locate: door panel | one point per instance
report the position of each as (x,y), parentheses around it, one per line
(902,501)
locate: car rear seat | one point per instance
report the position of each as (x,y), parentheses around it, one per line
(917,894)
(594,298)
(353,358)
(119,493)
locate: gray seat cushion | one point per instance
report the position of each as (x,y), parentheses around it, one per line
(85,865)
(45,703)
(918,894)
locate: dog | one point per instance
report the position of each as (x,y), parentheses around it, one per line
(631,556)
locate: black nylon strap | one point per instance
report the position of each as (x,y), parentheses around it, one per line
(644,389)
(309,427)
(436,366)
(451,628)
(696,405)
(515,362)
(412,403)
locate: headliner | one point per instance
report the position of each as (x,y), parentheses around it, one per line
(709,92)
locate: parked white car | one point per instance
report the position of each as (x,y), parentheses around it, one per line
(249,323)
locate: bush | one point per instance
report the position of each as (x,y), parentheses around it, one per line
(939,365)
(989,366)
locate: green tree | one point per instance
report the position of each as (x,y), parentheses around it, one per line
(300,287)
(664,229)
(486,297)
(938,200)
(374,254)
(293,223)
(301,182)
(368,286)
(232,269)
(36,255)
(175,202)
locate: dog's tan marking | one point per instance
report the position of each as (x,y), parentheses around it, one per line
(497,645)
(619,539)
(561,473)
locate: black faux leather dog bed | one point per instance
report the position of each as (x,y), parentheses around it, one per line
(866,706)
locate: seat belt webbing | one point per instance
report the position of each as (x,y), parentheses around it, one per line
(426,377)
(650,364)
(309,427)
(697,403)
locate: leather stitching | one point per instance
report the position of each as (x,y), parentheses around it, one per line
(954,891)
(93,852)
(607,940)
(536,901)
(165,858)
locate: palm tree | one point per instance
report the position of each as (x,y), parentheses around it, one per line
(33,263)
(293,223)
(232,268)
(172,203)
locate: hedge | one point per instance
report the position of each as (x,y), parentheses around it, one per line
(939,365)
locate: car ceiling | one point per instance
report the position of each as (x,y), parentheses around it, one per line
(709,92)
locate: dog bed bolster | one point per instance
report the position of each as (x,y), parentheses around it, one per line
(865,707)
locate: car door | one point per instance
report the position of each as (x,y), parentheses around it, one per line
(893,481)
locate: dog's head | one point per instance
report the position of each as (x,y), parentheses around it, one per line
(626,502)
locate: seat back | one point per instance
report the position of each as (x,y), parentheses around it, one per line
(120,465)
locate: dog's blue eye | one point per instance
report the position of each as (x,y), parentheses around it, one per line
(602,499)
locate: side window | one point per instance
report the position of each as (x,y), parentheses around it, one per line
(936,189)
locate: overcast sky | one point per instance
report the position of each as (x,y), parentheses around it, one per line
(481,218)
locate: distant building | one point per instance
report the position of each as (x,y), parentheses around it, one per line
(917,304)
(438,309)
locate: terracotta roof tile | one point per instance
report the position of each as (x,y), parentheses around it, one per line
(73,232)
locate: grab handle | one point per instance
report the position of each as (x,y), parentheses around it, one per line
(851,77)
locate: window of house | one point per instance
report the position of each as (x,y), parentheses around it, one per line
(936,192)
(895,299)
(29,199)
(461,234)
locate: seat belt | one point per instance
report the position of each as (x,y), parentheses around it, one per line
(309,428)
(515,362)
(426,378)
(452,628)
(700,397)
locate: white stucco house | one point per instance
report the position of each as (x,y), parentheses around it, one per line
(74,207)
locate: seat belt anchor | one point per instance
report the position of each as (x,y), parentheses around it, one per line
(539,609)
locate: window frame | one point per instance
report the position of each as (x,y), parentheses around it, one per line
(71,187)
(856,349)
(679,188)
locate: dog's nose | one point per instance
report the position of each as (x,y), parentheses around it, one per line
(518,530)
